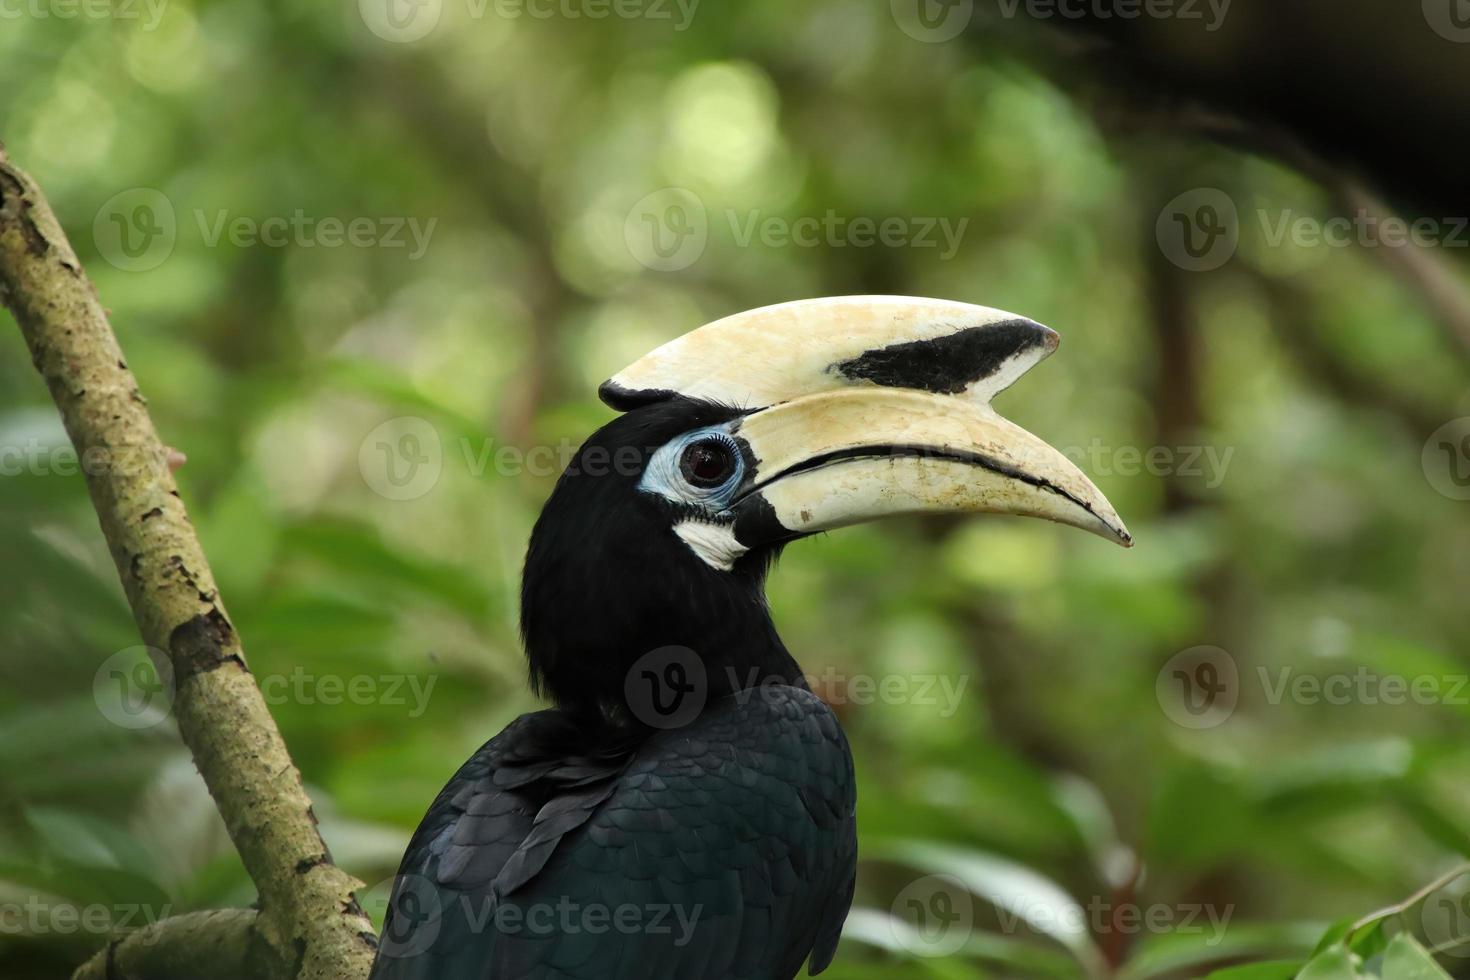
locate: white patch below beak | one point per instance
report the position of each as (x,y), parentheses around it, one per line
(715,544)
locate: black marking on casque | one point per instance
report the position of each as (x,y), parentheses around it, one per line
(621,399)
(949,364)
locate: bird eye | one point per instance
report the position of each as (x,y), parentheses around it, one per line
(708,463)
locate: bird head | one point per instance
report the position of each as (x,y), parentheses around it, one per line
(756,430)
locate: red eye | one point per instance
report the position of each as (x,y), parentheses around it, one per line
(708,464)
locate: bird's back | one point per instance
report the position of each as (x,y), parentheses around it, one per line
(722,850)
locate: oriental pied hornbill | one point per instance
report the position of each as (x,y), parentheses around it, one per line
(686,810)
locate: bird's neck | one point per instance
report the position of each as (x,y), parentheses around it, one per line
(607,647)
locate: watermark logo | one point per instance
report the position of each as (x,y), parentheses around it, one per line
(932,21)
(1101,917)
(401,459)
(38,917)
(135,230)
(942,692)
(1445,917)
(1199,230)
(1207,464)
(1199,687)
(414,914)
(668,230)
(1211,13)
(401,21)
(832,230)
(134,688)
(1363,686)
(933,916)
(666,688)
(388,690)
(1446,459)
(679,12)
(150,12)
(1450,19)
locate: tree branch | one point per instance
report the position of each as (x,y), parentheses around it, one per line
(310,925)
(176,948)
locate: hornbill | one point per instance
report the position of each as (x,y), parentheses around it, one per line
(686,810)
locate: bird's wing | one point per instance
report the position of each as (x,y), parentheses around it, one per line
(496,812)
(723,850)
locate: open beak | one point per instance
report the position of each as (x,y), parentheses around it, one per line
(863,407)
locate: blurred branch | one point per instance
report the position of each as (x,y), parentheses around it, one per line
(178,947)
(1292,314)
(310,925)
(1424,273)
(1178,413)
(1382,94)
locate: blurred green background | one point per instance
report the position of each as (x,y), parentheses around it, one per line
(1290,513)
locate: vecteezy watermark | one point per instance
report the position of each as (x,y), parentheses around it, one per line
(391,690)
(1199,687)
(1206,463)
(1363,686)
(403,459)
(134,688)
(1446,459)
(148,12)
(933,916)
(839,689)
(668,687)
(936,21)
(416,910)
(1200,230)
(39,457)
(138,229)
(668,230)
(1450,19)
(1102,917)
(37,917)
(1211,13)
(406,21)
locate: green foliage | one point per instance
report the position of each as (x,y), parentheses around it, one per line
(1057,791)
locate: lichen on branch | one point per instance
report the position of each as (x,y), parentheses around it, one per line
(309,924)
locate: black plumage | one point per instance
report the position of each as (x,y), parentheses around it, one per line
(583,842)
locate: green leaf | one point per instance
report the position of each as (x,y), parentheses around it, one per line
(1188,953)
(1405,959)
(1335,934)
(1333,963)
(1370,941)
(1019,894)
(1269,970)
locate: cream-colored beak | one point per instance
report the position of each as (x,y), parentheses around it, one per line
(838,458)
(861,407)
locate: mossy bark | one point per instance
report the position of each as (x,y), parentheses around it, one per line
(309,923)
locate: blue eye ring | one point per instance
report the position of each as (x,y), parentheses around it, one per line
(701,469)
